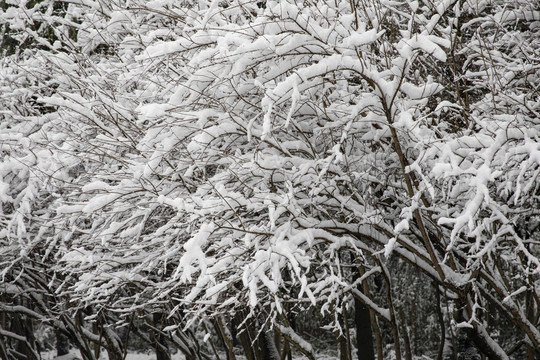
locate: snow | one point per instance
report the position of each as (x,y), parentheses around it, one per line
(75,355)
(392,243)
(267,106)
(517,292)
(97,185)
(291,334)
(99,202)
(359,39)
(4,188)
(418,92)
(428,43)
(150,355)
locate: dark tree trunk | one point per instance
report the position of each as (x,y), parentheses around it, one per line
(362,320)
(246,337)
(466,348)
(24,328)
(160,345)
(405,335)
(440,317)
(62,344)
(268,347)
(364,334)
(448,348)
(234,332)
(226,338)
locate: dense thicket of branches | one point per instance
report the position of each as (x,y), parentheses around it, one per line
(263,176)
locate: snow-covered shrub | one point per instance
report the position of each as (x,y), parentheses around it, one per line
(193,163)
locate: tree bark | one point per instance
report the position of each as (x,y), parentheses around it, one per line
(226,338)
(160,345)
(405,335)
(267,345)
(62,344)
(246,337)
(364,333)
(466,348)
(362,320)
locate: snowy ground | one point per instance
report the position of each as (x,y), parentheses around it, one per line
(74,354)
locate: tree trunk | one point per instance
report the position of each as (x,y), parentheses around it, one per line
(268,347)
(226,337)
(362,320)
(364,334)
(466,348)
(62,344)
(23,327)
(448,352)
(440,317)
(405,335)
(160,345)
(246,337)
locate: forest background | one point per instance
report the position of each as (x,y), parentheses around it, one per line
(270,179)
